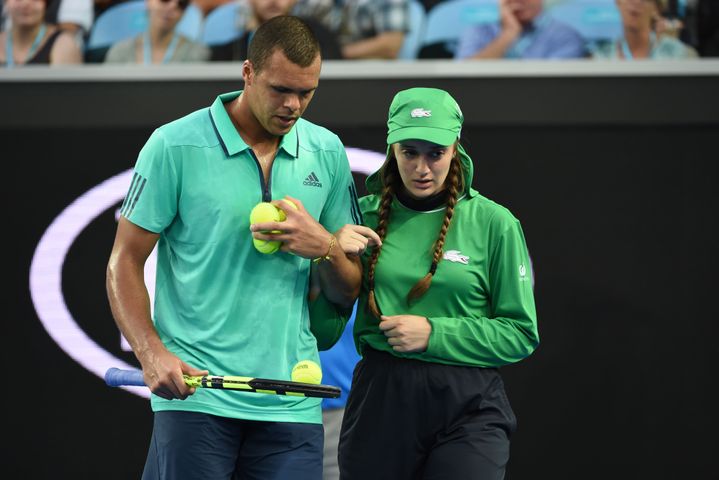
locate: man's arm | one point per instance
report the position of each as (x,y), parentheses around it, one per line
(385,45)
(130,304)
(498,47)
(302,235)
(340,277)
(476,43)
(66,51)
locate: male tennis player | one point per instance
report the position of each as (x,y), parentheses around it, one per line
(221,306)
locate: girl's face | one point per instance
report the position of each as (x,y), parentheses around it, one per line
(637,14)
(26,13)
(166,14)
(423,166)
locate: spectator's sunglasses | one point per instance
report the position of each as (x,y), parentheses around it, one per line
(180,3)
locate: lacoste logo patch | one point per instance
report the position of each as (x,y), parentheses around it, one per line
(456,256)
(420,112)
(523,273)
(312,181)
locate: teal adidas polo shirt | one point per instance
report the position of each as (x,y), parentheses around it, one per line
(221,305)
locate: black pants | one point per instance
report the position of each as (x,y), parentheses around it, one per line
(408,419)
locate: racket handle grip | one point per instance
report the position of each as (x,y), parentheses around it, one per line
(116,377)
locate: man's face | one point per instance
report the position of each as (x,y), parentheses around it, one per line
(268,9)
(525,10)
(279,93)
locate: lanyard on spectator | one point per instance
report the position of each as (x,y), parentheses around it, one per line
(10,58)
(147,48)
(627,52)
(525,40)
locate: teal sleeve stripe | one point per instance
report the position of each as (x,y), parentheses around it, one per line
(131,207)
(124,202)
(130,193)
(356,213)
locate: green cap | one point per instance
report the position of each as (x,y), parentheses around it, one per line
(428,114)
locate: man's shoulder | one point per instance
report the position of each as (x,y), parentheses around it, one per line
(121,51)
(560,30)
(314,137)
(484,29)
(193,129)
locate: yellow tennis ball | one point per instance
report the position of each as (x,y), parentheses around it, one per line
(266,246)
(283,215)
(307,371)
(266,212)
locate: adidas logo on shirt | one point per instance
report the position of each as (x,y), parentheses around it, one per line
(312,181)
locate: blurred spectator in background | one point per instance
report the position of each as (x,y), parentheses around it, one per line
(160,43)
(30,40)
(365,28)
(524,31)
(206,6)
(256,12)
(708,28)
(74,16)
(647,34)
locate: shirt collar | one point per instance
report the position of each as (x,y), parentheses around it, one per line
(231,140)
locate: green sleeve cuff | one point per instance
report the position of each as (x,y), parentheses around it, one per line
(327,321)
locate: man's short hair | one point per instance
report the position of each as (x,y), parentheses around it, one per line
(291,35)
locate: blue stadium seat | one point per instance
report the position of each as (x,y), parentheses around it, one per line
(223,24)
(447,21)
(595,20)
(191,23)
(413,38)
(118,23)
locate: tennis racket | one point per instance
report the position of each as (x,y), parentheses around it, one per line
(116,377)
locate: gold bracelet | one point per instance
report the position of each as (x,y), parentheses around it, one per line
(326,256)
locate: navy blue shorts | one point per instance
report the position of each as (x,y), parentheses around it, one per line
(190,445)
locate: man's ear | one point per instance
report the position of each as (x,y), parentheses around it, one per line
(248,72)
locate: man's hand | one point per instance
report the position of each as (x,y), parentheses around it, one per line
(354,239)
(406,333)
(163,374)
(301,234)
(510,25)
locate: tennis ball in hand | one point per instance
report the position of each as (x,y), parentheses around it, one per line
(261,213)
(292,204)
(307,371)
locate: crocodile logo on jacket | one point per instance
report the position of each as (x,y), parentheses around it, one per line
(456,256)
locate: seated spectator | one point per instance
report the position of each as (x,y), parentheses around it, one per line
(257,12)
(30,40)
(524,30)
(365,28)
(160,43)
(645,34)
(74,16)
